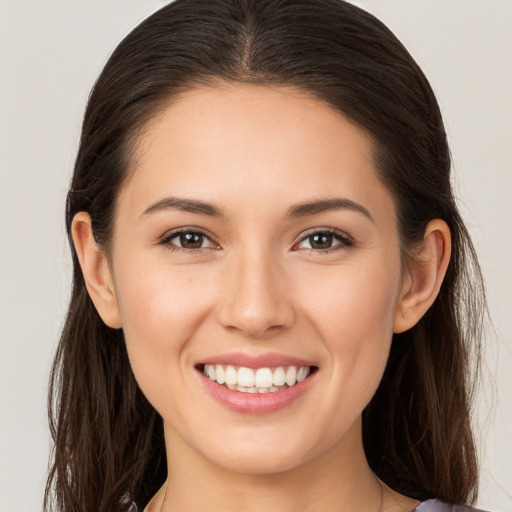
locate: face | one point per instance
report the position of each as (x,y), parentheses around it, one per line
(254,240)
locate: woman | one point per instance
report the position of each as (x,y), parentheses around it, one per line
(275,301)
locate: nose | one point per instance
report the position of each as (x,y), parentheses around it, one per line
(257,299)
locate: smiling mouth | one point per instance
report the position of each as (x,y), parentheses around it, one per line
(256,380)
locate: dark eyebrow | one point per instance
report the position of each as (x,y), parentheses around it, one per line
(325,205)
(299,210)
(185,205)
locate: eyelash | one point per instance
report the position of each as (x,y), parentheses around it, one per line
(344,240)
(167,239)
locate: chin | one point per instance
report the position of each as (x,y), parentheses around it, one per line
(260,463)
(260,453)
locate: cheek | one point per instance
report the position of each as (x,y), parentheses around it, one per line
(354,299)
(160,311)
(158,303)
(354,316)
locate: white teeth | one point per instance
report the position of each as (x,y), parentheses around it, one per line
(279,377)
(243,389)
(245,377)
(301,374)
(230,376)
(291,376)
(262,380)
(220,374)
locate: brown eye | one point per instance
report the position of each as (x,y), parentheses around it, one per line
(321,241)
(188,240)
(325,241)
(191,240)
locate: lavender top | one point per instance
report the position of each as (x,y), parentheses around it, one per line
(425,506)
(439,506)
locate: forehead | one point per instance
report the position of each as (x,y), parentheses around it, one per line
(251,142)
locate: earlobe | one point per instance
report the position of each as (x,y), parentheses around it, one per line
(96,271)
(424,276)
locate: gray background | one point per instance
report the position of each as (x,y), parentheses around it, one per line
(50,54)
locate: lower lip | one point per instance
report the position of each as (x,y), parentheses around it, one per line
(256,403)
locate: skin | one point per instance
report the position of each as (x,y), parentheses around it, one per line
(256,285)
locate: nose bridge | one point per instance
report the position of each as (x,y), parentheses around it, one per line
(256,300)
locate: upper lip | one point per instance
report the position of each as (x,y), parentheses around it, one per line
(267,359)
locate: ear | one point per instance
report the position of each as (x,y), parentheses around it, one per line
(424,275)
(96,271)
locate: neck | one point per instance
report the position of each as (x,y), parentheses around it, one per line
(339,479)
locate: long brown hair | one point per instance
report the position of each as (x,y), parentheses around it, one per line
(109,446)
